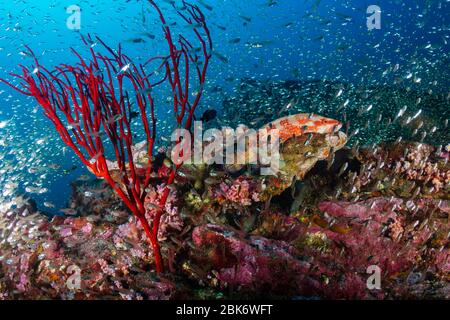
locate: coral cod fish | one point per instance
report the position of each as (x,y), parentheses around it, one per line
(300,124)
(303,123)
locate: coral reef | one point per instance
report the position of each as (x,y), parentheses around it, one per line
(101,119)
(328,257)
(42,258)
(420,170)
(232,236)
(242,191)
(170,219)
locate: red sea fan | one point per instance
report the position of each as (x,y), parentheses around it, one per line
(90,107)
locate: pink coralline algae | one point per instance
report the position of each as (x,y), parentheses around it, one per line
(301,244)
(383,232)
(408,169)
(415,166)
(255,263)
(170,219)
(241,192)
(111,259)
(330,256)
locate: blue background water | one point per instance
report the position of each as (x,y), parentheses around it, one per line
(301,39)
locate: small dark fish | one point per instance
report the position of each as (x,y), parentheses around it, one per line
(342,48)
(136,40)
(220,27)
(319,38)
(195,25)
(68,211)
(208,115)
(220,56)
(316,5)
(344,17)
(67,171)
(207,6)
(235,40)
(171,2)
(133,114)
(143,16)
(146,91)
(216,89)
(247,19)
(149,35)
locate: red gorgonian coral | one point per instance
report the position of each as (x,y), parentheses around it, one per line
(89,105)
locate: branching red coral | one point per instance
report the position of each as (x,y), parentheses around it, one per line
(90,108)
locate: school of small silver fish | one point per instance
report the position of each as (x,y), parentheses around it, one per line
(319,59)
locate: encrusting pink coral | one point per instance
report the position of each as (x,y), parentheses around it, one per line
(321,249)
(251,264)
(415,166)
(241,192)
(170,219)
(110,257)
(329,257)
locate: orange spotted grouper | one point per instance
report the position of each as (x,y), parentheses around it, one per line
(302,123)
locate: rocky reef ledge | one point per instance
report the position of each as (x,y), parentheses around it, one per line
(233,234)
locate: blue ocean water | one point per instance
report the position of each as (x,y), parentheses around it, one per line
(261,39)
